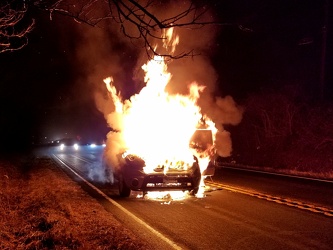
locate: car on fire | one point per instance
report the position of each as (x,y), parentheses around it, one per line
(185,177)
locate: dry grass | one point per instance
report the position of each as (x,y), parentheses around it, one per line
(41,208)
(325,175)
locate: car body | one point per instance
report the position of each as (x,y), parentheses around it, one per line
(131,175)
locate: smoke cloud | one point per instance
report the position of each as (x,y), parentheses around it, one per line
(106,52)
(199,69)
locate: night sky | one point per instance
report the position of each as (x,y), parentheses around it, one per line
(45,94)
(276,43)
(41,98)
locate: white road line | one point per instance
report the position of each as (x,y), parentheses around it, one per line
(155,232)
(285,175)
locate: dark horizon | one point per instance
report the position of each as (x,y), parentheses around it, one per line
(273,45)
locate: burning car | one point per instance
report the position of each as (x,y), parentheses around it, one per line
(134,173)
(158,140)
(132,176)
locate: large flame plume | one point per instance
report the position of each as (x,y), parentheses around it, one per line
(155,125)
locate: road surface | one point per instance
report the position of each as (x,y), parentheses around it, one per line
(240,209)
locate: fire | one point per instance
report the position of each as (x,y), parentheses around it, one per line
(114,96)
(158,126)
(166,196)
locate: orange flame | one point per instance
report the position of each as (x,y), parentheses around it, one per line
(157,126)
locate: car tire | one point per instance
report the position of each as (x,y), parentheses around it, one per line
(124,190)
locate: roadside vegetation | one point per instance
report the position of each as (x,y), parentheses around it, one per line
(284,131)
(41,208)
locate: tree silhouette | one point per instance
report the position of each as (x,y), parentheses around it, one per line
(141,21)
(13,26)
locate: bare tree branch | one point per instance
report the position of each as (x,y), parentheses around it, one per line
(137,19)
(13,33)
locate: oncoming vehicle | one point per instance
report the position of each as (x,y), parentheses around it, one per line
(131,174)
(68,143)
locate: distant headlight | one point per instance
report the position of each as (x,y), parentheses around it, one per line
(62,146)
(76,146)
(92,145)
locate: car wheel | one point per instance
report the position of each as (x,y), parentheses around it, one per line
(124,190)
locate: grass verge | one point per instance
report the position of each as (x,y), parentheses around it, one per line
(41,208)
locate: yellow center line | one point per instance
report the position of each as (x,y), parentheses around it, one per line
(276,199)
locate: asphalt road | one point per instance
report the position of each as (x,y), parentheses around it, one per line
(240,210)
